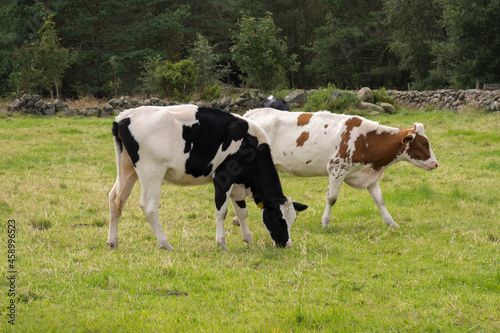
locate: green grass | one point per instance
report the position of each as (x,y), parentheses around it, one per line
(439,272)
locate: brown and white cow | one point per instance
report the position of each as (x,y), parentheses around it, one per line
(345,148)
(187,145)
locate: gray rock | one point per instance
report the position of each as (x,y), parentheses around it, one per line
(114,103)
(225,101)
(297,96)
(40,104)
(370,107)
(388,108)
(69,112)
(108,108)
(50,111)
(366,95)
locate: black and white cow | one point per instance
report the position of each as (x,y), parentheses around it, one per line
(345,148)
(275,103)
(187,145)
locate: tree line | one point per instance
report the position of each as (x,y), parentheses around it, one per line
(105,47)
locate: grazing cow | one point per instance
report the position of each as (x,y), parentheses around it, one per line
(345,148)
(275,103)
(187,145)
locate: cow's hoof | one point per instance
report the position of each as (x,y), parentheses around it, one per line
(112,245)
(236,222)
(222,246)
(166,245)
(248,240)
(392,224)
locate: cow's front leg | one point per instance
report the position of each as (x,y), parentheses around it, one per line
(223,188)
(238,195)
(220,214)
(240,210)
(376,193)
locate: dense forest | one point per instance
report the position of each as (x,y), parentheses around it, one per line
(105,47)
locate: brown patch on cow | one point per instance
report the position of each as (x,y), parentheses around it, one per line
(419,148)
(304,136)
(379,150)
(346,136)
(307,162)
(303,119)
(326,125)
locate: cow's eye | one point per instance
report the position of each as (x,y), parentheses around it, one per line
(425,144)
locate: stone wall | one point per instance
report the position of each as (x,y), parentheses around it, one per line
(455,100)
(440,99)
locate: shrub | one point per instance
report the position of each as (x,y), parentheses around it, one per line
(177,80)
(320,100)
(210,93)
(381,95)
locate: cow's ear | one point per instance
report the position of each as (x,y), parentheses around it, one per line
(259,201)
(299,207)
(410,135)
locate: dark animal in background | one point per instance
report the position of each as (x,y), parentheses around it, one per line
(275,103)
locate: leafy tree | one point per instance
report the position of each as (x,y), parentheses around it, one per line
(260,54)
(350,49)
(20,22)
(415,27)
(148,77)
(42,64)
(129,30)
(471,51)
(207,62)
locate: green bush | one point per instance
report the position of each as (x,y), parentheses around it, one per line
(210,93)
(177,80)
(381,96)
(320,100)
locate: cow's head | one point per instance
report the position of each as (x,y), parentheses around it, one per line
(278,216)
(418,148)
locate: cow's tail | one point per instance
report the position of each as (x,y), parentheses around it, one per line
(119,152)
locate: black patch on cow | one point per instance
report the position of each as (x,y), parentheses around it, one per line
(275,103)
(203,139)
(114,130)
(129,142)
(274,221)
(242,204)
(250,165)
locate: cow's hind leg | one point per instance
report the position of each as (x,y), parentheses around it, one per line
(151,180)
(334,184)
(117,198)
(376,193)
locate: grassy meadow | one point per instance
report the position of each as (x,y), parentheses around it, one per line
(438,272)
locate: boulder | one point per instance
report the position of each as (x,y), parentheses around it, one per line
(388,108)
(297,96)
(113,103)
(370,107)
(366,95)
(108,107)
